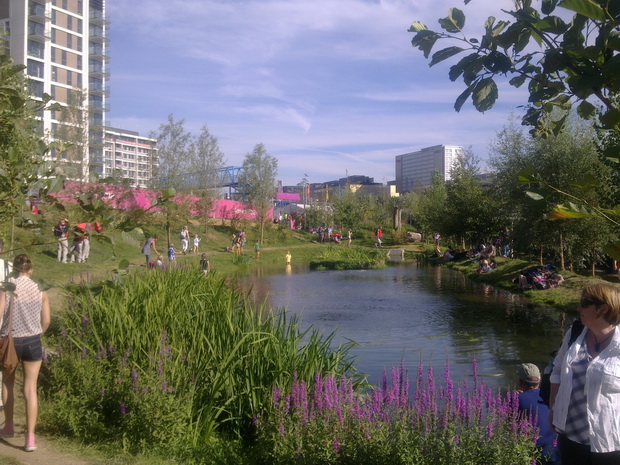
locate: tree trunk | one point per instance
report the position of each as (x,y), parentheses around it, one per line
(561,251)
(398,218)
(540,258)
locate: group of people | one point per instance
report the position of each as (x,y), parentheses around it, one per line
(79,250)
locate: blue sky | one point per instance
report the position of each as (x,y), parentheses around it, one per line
(329,86)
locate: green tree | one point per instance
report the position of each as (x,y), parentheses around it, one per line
(433,207)
(175,146)
(561,161)
(23,170)
(349,210)
(258,179)
(205,163)
(573,63)
(71,135)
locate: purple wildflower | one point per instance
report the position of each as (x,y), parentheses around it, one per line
(336,445)
(123,408)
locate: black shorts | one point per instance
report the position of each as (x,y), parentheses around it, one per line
(29,349)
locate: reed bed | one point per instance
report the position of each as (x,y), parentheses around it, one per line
(344,258)
(171,361)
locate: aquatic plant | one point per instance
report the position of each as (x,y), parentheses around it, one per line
(165,360)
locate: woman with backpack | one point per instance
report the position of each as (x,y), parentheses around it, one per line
(585,383)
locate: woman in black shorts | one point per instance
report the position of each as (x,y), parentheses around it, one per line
(31,317)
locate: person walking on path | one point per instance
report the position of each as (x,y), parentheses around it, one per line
(257,250)
(150,246)
(349,237)
(61,233)
(379,237)
(184,240)
(27,310)
(196,244)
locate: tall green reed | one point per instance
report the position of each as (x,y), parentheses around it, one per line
(174,351)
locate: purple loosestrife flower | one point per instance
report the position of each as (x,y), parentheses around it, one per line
(336,445)
(277,395)
(164,386)
(160,367)
(457,440)
(490,430)
(318,392)
(134,378)
(123,408)
(474,367)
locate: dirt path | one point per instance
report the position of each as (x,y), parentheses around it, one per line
(47,453)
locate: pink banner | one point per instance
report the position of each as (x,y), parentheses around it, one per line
(125,198)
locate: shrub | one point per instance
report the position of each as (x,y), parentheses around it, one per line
(331,423)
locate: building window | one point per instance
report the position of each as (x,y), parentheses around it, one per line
(69,41)
(36,88)
(36,49)
(64,5)
(63,59)
(54,74)
(69,78)
(70,22)
(35,69)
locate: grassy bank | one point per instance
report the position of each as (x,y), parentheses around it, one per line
(564,297)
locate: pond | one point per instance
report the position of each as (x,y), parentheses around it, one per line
(417,313)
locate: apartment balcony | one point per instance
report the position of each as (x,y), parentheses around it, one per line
(98,107)
(37,13)
(38,33)
(98,35)
(97,17)
(98,53)
(39,2)
(98,71)
(99,90)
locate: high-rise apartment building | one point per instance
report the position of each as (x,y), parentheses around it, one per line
(414,170)
(63,45)
(129,156)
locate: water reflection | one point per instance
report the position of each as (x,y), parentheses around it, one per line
(417,313)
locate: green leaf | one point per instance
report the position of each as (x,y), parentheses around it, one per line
(548,6)
(444,55)
(168,193)
(611,119)
(417,26)
(123,265)
(465,62)
(518,80)
(461,99)
(534,195)
(613,250)
(425,40)
(454,22)
(587,8)
(586,110)
(485,94)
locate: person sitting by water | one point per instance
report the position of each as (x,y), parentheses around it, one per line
(484,266)
(532,405)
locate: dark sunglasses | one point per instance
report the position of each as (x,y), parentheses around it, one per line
(587,302)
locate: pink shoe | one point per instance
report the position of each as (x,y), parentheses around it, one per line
(7,432)
(30,444)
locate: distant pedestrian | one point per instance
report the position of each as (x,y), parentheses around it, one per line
(379,237)
(196,244)
(288,258)
(205,265)
(349,237)
(184,240)
(61,233)
(257,250)
(150,246)
(160,262)
(172,253)
(437,238)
